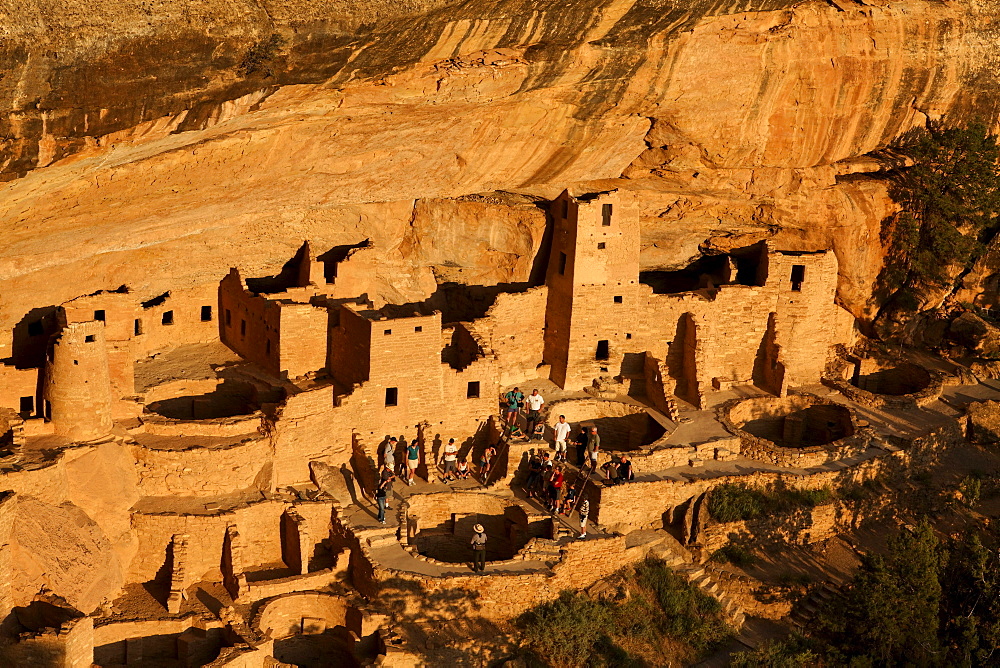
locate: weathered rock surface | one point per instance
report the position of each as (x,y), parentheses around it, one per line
(161,143)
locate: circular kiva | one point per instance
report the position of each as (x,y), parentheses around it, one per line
(623,427)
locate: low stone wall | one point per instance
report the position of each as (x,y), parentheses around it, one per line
(735,413)
(220,427)
(841,369)
(204,471)
(802,526)
(284,616)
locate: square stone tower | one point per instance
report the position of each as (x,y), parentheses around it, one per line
(593,303)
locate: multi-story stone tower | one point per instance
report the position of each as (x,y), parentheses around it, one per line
(77,386)
(593,282)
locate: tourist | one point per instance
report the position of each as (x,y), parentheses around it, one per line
(412,462)
(570,497)
(450,459)
(486,462)
(401,447)
(479,548)
(382,491)
(555,488)
(562,435)
(581,447)
(625,471)
(462,472)
(593,447)
(514,399)
(535,403)
(540,486)
(611,472)
(389,453)
(584,511)
(534,473)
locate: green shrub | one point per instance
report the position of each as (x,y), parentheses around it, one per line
(730,553)
(661,610)
(971,489)
(735,501)
(792,652)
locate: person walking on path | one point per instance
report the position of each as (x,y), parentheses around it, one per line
(513,400)
(382,492)
(581,447)
(478,548)
(584,511)
(389,453)
(535,402)
(412,462)
(562,435)
(486,462)
(593,447)
(450,460)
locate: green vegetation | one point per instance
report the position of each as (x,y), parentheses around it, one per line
(971,489)
(259,58)
(731,553)
(658,618)
(950,208)
(735,501)
(922,603)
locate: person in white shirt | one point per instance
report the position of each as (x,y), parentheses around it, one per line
(450,459)
(535,403)
(561,430)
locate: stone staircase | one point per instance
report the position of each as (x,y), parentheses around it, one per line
(805,611)
(680,560)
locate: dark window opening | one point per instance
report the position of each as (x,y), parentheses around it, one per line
(603,350)
(601,246)
(229,318)
(418,329)
(562,263)
(206,313)
(90,338)
(243,327)
(565,209)
(168,318)
(386,332)
(473,391)
(137,327)
(267,348)
(798,276)
(27,405)
(76,362)
(708,269)
(99,315)
(604,369)
(36,328)
(618,299)
(391,396)
(48,410)
(628,336)
(606,215)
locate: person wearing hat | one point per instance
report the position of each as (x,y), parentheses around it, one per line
(479,548)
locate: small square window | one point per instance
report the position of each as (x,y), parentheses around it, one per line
(76,362)
(206,313)
(36,328)
(418,329)
(618,299)
(99,315)
(167,318)
(473,391)
(392,396)
(601,246)
(386,332)
(628,336)
(90,338)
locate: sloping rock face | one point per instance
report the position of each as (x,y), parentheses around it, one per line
(160,143)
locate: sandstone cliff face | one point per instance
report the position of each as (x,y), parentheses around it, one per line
(160,143)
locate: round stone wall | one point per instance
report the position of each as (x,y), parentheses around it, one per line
(623,427)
